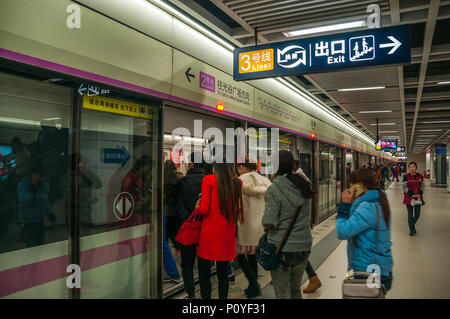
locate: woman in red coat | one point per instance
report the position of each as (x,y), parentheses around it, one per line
(221,208)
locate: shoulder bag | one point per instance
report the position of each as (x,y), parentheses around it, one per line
(356,286)
(267,254)
(189,233)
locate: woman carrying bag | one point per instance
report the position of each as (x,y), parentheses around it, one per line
(254,187)
(287,221)
(413,186)
(363,219)
(220,207)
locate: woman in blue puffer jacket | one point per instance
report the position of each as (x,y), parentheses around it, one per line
(357,221)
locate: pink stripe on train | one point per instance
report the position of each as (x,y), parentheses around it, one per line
(42,272)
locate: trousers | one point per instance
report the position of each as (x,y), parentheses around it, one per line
(413,215)
(287,277)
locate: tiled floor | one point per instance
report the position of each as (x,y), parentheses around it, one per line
(421,263)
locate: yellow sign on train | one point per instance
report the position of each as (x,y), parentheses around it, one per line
(106,104)
(256,61)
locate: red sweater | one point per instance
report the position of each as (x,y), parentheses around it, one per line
(217,235)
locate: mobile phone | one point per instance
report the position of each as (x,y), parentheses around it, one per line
(358,190)
(199,195)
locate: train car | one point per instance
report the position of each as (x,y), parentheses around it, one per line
(93,109)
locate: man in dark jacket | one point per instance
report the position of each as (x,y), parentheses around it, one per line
(189,189)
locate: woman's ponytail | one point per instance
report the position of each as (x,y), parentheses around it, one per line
(385,207)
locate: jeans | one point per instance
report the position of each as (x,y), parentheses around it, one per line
(413,215)
(310,270)
(169,263)
(287,277)
(230,268)
(188,254)
(204,273)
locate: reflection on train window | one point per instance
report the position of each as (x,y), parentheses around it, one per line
(34,124)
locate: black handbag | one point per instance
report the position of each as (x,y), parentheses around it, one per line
(267,254)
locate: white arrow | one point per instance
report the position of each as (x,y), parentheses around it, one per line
(395,44)
(81,89)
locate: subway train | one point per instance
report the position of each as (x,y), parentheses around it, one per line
(94,110)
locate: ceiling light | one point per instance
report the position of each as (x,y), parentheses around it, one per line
(367,112)
(437,130)
(387,131)
(361,89)
(431,122)
(333,27)
(383,124)
(444,82)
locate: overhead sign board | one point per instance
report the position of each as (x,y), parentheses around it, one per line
(388,145)
(365,48)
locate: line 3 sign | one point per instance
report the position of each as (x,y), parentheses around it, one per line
(370,47)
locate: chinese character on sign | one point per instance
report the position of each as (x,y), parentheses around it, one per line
(266,56)
(338,47)
(256,57)
(322,49)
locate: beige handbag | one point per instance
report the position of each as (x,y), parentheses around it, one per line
(355,284)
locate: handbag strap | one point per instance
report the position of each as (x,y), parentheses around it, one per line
(288,230)
(376,237)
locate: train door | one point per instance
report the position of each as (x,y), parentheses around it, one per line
(119,171)
(183,134)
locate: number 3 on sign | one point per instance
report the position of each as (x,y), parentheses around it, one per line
(245,59)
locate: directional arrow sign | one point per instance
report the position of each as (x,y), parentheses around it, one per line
(358,49)
(395,44)
(188,75)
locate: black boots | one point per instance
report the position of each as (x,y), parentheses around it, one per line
(249,266)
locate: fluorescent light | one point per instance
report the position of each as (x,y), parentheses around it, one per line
(52,119)
(195,25)
(431,122)
(387,131)
(438,130)
(361,89)
(383,124)
(333,27)
(444,82)
(367,112)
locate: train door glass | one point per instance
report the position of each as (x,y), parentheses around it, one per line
(305,164)
(332,179)
(118,178)
(323,181)
(34,133)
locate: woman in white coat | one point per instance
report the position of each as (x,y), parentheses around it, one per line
(254,187)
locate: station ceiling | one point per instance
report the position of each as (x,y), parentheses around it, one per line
(419,105)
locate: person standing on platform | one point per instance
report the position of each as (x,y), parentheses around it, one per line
(314,281)
(413,186)
(348,169)
(221,208)
(170,220)
(365,208)
(189,189)
(254,187)
(396,172)
(288,193)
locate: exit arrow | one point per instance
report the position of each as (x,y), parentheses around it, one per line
(395,44)
(188,75)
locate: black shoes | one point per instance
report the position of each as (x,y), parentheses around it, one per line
(253,291)
(411,233)
(414,230)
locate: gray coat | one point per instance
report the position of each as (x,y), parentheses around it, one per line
(282,200)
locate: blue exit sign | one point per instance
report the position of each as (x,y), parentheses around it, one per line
(365,48)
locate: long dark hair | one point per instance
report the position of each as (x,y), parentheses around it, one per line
(170,179)
(368,178)
(230,192)
(286,165)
